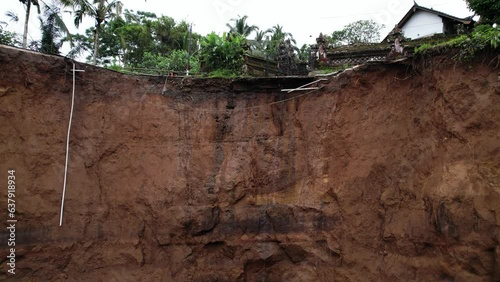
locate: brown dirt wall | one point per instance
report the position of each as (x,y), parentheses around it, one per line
(388,173)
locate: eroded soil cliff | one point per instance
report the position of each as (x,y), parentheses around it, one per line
(388,173)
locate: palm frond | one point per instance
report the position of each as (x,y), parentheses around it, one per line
(53,12)
(13,17)
(76,51)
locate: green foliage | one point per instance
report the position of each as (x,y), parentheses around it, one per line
(241,27)
(337,38)
(423,48)
(489,10)
(223,73)
(83,43)
(259,44)
(100,10)
(304,53)
(175,61)
(326,69)
(127,38)
(222,53)
(483,36)
(50,34)
(178,61)
(115,67)
(54,30)
(9,38)
(277,37)
(362,31)
(266,43)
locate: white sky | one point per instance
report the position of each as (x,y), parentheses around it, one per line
(305,20)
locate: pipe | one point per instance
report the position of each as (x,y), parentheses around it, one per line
(300,87)
(67,146)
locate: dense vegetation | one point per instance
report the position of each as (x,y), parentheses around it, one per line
(489,10)
(482,37)
(144,42)
(133,39)
(136,41)
(8,38)
(363,31)
(485,35)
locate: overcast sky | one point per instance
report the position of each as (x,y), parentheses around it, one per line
(305,20)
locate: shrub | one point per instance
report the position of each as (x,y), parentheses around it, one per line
(482,37)
(222,53)
(175,61)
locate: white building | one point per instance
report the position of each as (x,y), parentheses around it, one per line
(423,22)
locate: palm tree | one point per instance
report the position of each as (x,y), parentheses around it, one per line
(241,27)
(261,35)
(28,4)
(100,10)
(53,28)
(260,42)
(279,35)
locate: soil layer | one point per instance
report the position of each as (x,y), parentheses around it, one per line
(387,173)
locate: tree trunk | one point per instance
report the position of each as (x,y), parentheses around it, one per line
(96,44)
(124,58)
(25,35)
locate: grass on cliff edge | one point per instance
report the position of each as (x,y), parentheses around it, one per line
(481,38)
(223,73)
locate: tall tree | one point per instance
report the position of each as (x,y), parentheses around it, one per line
(241,27)
(100,10)
(28,4)
(127,38)
(53,28)
(362,31)
(278,36)
(145,32)
(260,42)
(489,10)
(261,35)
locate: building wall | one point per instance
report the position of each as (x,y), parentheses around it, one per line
(421,24)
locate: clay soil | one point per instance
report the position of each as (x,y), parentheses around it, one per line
(390,172)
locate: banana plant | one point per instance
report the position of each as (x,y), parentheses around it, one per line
(224,52)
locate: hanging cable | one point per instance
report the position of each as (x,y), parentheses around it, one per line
(67,145)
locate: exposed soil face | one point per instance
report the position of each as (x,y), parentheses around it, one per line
(385,174)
